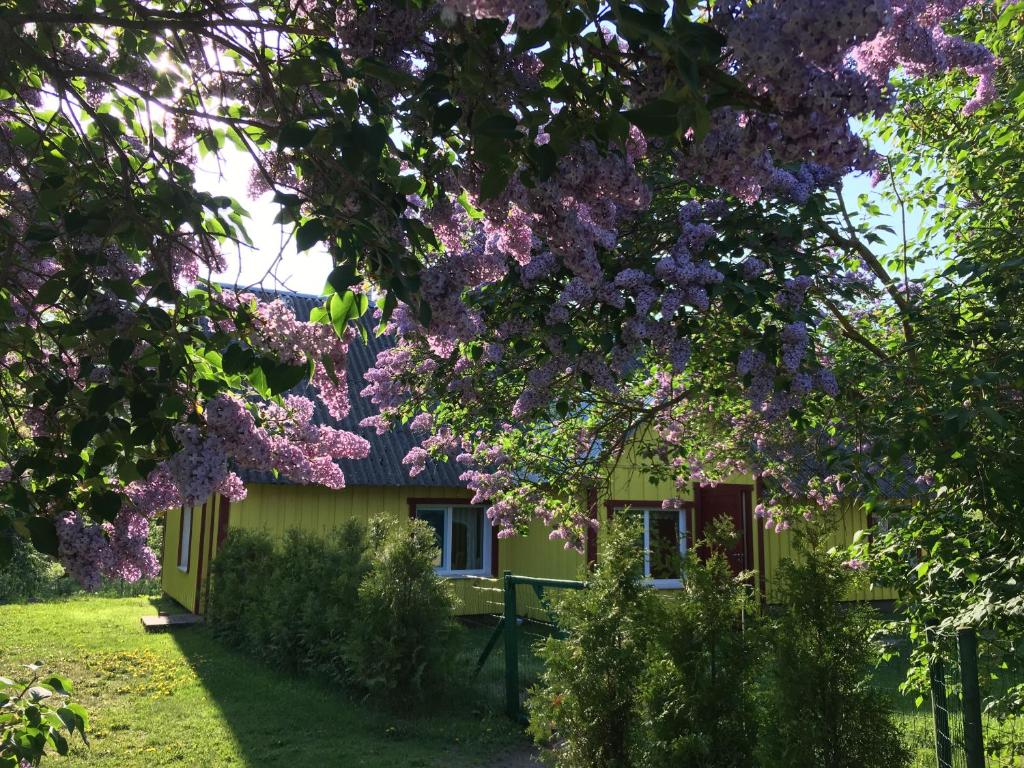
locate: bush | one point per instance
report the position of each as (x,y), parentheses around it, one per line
(310,602)
(400,646)
(27,575)
(326,614)
(699,681)
(241,575)
(586,704)
(367,610)
(820,708)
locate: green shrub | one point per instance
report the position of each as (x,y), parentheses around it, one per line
(586,705)
(309,605)
(698,689)
(820,709)
(400,645)
(326,615)
(27,575)
(241,575)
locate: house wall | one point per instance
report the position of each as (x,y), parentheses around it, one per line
(183,586)
(277,508)
(852,518)
(628,481)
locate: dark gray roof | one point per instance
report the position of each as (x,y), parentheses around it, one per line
(384,464)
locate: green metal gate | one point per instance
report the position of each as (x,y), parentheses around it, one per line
(519,626)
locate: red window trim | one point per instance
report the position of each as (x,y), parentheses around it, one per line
(222,522)
(199,569)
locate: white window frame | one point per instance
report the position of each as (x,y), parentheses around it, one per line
(445,568)
(185,538)
(646,512)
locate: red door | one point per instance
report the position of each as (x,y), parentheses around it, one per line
(734,502)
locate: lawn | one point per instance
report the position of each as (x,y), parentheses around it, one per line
(181,698)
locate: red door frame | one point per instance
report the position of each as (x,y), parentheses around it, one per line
(746,496)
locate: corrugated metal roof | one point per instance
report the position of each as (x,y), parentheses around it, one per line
(384,464)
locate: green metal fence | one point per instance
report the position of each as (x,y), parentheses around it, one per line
(952,723)
(525,621)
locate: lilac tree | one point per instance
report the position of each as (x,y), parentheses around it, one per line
(580,220)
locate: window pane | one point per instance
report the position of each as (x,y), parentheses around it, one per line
(435,519)
(637,514)
(666,562)
(185,538)
(467,539)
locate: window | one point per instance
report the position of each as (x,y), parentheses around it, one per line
(463,538)
(664,545)
(185,538)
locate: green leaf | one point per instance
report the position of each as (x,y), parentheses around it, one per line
(494,181)
(44,535)
(59,684)
(309,234)
(283,376)
(445,116)
(498,127)
(656,118)
(342,276)
(238,359)
(57,739)
(105,505)
(121,350)
(295,135)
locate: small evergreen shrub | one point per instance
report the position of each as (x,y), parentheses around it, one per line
(821,710)
(240,578)
(586,706)
(400,647)
(698,687)
(326,614)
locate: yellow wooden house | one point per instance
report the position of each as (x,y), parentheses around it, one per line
(470,552)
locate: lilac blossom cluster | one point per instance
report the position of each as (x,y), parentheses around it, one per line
(277,329)
(817,63)
(287,441)
(119,550)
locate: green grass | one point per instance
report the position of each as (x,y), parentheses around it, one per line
(181,698)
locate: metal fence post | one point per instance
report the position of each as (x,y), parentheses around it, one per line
(940,710)
(511,650)
(974,741)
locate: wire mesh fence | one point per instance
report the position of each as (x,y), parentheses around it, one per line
(951,718)
(1001,684)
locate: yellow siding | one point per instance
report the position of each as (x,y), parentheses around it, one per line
(779,547)
(277,508)
(179,584)
(628,481)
